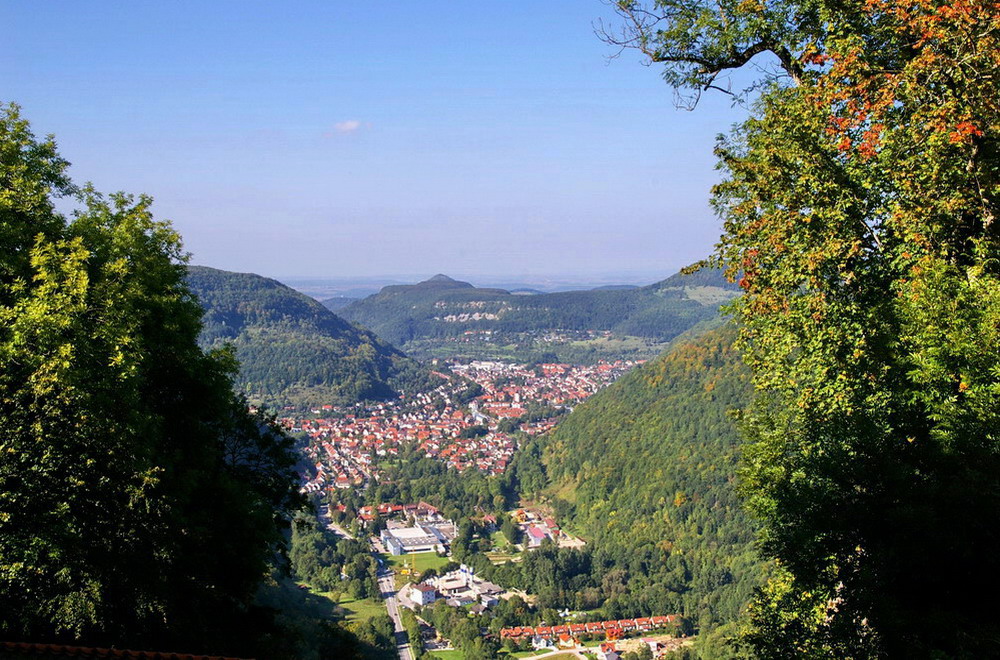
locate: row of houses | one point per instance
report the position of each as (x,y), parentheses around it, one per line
(609,629)
(421,511)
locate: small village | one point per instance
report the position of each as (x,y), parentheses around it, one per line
(345,446)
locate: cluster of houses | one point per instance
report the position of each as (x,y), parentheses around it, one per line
(458,588)
(508,388)
(420,512)
(536,529)
(544,636)
(344,447)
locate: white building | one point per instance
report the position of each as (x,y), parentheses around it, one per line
(423,594)
(402,540)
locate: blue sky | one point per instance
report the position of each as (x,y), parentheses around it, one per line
(333,139)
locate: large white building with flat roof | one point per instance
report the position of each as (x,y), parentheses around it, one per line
(403,540)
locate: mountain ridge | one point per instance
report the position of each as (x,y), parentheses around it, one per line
(441,308)
(292,350)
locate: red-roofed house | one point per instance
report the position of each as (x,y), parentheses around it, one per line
(535,536)
(607,652)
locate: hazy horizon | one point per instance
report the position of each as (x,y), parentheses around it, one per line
(357,287)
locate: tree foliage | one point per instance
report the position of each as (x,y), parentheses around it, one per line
(644,471)
(860,209)
(140,501)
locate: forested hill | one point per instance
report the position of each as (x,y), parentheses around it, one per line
(442,307)
(644,471)
(292,350)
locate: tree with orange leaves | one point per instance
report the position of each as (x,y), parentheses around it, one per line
(860,202)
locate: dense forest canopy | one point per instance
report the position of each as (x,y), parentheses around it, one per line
(292,350)
(141,504)
(860,201)
(645,471)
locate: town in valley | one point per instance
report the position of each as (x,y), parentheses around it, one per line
(474,419)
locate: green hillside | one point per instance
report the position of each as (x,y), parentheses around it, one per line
(292,350)
(644,471)
(442,317)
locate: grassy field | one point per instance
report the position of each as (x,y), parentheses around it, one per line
(620,344)
(500,542)
(455,654)
(420,561)
(499,558)
(502,550)
(360,609)
(709,295)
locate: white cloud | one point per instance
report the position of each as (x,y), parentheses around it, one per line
(348,126)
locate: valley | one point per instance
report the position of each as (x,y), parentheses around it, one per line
(240,419)
(507,442)
(585,471)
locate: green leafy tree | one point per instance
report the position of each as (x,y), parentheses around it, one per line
(509,529)
(140,501)
(860,202)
